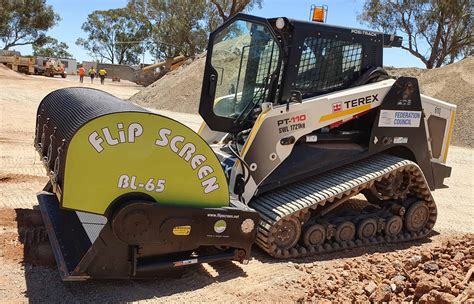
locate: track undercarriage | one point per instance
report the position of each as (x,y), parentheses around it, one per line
(322,215)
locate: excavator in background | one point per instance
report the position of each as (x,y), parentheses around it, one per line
(307,147)
(153,72)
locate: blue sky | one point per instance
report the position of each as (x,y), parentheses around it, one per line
(341,12)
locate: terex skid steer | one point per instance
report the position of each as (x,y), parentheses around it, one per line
(307,146)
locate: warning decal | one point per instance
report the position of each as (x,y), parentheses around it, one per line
(403,119)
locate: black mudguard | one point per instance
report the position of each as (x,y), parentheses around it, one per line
(404,97)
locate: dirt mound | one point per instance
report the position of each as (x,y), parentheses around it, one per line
(23,238)
(441,274)
(179,90)
(5,72)
(452,83)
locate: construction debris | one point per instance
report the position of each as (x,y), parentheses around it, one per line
(429,275)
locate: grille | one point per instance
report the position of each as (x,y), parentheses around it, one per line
(266,65)
(327,65)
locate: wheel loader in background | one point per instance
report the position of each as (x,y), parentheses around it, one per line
(301,123)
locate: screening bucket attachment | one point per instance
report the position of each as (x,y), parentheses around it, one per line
(132,193)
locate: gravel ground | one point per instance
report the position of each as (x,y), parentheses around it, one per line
(264,278)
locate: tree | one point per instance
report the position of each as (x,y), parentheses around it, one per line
(115,35)
(228,8)
(182,26)
(25,22)
(52,48)
(436,31)
(176,26)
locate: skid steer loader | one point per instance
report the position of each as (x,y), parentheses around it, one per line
(307,147)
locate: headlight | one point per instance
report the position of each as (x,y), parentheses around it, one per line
(280,23)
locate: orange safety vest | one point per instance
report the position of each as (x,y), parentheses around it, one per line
(82,71)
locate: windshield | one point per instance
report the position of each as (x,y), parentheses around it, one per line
(244,55)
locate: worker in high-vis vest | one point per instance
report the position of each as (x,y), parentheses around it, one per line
(102,74)
(82,71)
(92,74)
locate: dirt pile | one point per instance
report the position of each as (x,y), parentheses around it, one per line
(453,83)
(441,273)
(5,72)
(179,90)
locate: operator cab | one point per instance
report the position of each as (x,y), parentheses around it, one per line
(242,64)
(251,60)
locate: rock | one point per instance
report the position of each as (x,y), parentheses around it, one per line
(442,297)
(393,287)
(383,294)
(424,286)
(424,299)
(455,291)
(431,267)
(397,264)
(426,255)
(399,278)
(459,256)
(445,284)
(370,288)
(414,260)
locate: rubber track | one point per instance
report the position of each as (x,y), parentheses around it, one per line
(297,199)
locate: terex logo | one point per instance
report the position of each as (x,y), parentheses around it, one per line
(361,101)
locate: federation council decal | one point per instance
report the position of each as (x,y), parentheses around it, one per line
(401,119)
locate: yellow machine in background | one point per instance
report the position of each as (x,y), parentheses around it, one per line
(22,64)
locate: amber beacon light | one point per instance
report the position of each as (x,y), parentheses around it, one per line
(318,13)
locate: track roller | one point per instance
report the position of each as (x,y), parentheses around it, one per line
(345,232)
(367,228)
(393,225)
(417,216)
(315,235)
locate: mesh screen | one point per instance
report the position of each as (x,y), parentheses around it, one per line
(327,65)
(268,57)
(266,65)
